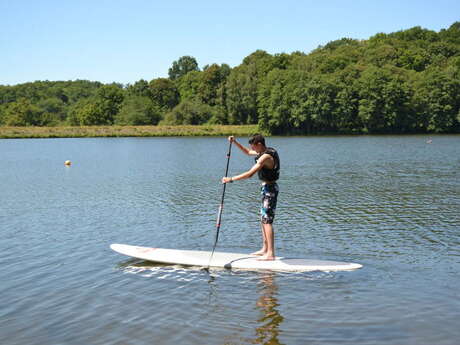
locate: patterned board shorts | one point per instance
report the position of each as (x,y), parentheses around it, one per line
(269,197)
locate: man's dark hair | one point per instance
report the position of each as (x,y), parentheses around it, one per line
(257,138)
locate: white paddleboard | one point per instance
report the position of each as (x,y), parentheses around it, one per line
(230,260)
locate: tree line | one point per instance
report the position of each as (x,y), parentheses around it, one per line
(403,82)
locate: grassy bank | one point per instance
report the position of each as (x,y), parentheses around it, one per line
(125,131)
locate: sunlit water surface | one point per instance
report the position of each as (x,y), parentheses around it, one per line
(391,203)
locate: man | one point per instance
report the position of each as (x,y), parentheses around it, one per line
(267,167)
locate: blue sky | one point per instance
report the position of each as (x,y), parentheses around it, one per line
(124,41)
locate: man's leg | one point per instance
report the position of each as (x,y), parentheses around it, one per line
(269,199)
(263,251)
(269,237)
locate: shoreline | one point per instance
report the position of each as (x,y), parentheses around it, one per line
(36,132)
(125,131)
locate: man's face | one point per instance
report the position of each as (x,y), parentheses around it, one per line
(257,147)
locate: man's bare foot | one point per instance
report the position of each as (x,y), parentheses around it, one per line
(259,252)
(266,258)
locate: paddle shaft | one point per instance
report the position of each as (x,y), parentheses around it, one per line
(221,206)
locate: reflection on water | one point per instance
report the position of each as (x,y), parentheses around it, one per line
(268,318)
(269,323)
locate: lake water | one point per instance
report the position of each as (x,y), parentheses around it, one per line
(391,203)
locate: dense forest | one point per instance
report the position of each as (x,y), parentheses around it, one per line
(403,82)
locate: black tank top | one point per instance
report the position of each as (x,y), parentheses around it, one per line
(266,174)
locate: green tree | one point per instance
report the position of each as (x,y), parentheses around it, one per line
(164,93)
(262,62)
(437,101)
(188,85)
(190,112)
(7,94)
(452,34)
(138,110)
(76,90)
(206,86)
(55,109)
(182,66)
(139,88)
(274,110)
(241,95)
(415,34)
(243,82)
(74,110)
(22,113)
(283,103)
(346,117)
(100,109)
(384,100)
(2,114)
(93,114)
(109,98)
(415,58)
(212,78)
(296,102)
(401,82)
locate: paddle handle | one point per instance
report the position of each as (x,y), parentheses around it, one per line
(221,206)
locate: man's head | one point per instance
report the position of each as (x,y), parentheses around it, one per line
(257,143)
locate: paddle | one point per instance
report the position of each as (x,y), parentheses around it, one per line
(221,207)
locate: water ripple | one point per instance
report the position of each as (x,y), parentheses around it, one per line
(390,203)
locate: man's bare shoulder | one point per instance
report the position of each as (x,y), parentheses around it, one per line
(265,159)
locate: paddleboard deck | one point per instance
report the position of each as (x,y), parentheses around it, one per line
(229,260)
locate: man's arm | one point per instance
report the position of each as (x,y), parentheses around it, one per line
(245,150)
(255,168)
